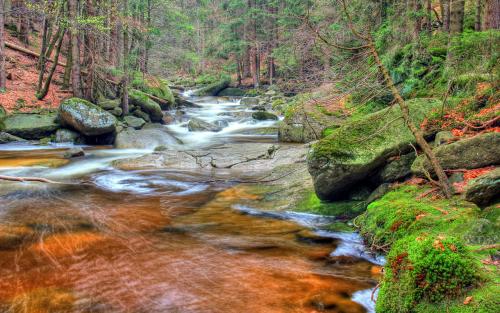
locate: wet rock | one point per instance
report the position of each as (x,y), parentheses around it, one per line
(134,122)
(86,118)
(196,125)
(6,138)
(378,193)
(147,105)
(167,119)
(221,123)
(442,138)
(250,101)
(74,153)
(109,104)
(156,87)
(149,137)
(141,114)
(352,152)
(232,92)
(484,189)
(117,111)
(30,125)
(309,237)
(259,108)
(67,135)
(264,116)
(476,152)
(212,89)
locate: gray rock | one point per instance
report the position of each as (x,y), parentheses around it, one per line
(109,104)
(67,135)
(476,152)
(117,111)
(6,138)
(74,153)
(232,92)
(142,115)
(396,170)
(197,125)
(86,118)
(378,193)
(250,101)
(485,189)
(442,138)
(30,126)
(264,116)
(147,105)
(259,108)
(134,122)
(149,137)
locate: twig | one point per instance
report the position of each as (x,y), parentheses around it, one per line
(372,297)
(28,179)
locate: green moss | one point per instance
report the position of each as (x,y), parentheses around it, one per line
(154,86)
(341,209)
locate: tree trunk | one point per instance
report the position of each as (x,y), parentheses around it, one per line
(429,16)
(478,18)
(125,79)
(67,69)
(445,12)
(457,16)
(3,82)
(418,19)
(492,17)
(75,48)
(46,86)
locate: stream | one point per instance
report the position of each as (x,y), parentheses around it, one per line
(110,240)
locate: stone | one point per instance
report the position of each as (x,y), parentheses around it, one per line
(353,151)
(231,92)
(30,125)
(167,119)
(442,138)
(6,138)
(134,122)
(396,170)
(197,125)
(117,111)
(149,137)
(109,104)
(212,89)
(485,189)
(378,193)
(139,113)
(250,101)
(86,118)
(74,153)
(147,105)
(156,87)
(476,152)
(264,116)
(259,108)
(67,135)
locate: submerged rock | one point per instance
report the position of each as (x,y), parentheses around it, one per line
(74,153)
(30,125)
(147,105)
(149,137)
(353,151)
(196,125)
(479,151)
(86,118)
(484,189)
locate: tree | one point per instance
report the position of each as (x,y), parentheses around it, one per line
(2,46)
(75,48)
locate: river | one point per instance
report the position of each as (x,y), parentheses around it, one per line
(109,240)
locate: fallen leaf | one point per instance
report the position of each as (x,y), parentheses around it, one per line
(468,300)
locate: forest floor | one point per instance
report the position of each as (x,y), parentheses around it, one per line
(22,78)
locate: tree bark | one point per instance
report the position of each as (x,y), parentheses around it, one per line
(492,17)
(125,79)
(3,81)
(478,18)
(75,48)
(445,12)
(46,86)
(457,16)
(67,68)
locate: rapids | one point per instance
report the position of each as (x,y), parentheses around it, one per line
(109,240)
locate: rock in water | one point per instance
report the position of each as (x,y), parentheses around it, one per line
(250,101)
(484,189)
(86,118)
(264,116)
(353,151)
(30,126)
(150,137)
(147,105)
(231,92)
(134,122)
(479,151)
(74,153)
(197,125)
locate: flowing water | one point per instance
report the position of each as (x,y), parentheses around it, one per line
(165,241)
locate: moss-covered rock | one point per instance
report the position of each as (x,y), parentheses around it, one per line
(395,170)
(478,151)
(3,113)
(134,122)
(147,105)
(357,148)
(67,135)
(30,126)
(484,189)
(155,86)
(232,92)
(85,117)
(264,116)
(213,89)
(109,104)
(6,138)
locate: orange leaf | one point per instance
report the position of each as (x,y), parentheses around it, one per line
(468,300)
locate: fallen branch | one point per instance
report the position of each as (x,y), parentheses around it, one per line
(28,52)
(372,297)
(27,179)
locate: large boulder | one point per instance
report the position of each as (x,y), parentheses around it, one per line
(86,118)
(352,152)
(212,89)
(156,87)
(395,170)
(134,122)
(264,116)
(30,126)
(479,151)
(150,137)
(147,105)
(198,125)
(485,189)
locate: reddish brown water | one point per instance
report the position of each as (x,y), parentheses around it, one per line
(159,242)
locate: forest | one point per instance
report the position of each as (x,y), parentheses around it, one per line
(249,156)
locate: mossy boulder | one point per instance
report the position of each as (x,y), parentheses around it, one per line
(30,125)
(355,150)
(140,99)
(479,151)
(134,122)
(6,138)
(232,92)
(264,116)
(395,170)
(484,189)
(212,89)
(109,104)
(3,113)
(85,117)
(156,87)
